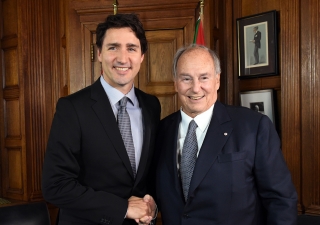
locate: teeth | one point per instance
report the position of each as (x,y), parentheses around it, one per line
(122,68)
(195,98)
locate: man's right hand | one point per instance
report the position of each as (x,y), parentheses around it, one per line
(139,210)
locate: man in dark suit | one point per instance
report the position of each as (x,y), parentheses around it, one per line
(87,171)
(218,164)
(257,44)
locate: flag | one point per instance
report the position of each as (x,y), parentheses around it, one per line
(199,33)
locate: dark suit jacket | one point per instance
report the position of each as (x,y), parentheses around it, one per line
(87,171)
(257,38)
(240,176)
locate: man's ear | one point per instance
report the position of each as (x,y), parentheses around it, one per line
(142,57)
(175,84)
(217,81)
(99,55)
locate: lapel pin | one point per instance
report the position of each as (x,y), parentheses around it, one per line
(225,134)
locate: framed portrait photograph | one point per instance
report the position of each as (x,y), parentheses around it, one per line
(260,101)
(258,45)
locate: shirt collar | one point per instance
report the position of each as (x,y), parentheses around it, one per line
(202,119)
(115,95)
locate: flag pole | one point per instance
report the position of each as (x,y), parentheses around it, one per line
(199,29)
(201,10)
(201,7)
(115,7)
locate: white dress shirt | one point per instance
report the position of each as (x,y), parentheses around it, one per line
(202,120)
(134,112)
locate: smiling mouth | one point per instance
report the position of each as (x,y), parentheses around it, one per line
(196,97)
(122,68)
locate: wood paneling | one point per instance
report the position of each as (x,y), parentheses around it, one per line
(214,12)
(310,105)
(10,23)
(155,76)
(12,107)
(15,178)
(31,58)
(290,89)
(46,53)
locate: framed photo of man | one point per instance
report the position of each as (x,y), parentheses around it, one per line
(258,45)
(260,101)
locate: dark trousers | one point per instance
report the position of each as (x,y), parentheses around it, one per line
(256,54)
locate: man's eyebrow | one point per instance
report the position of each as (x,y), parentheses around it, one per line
(184,74)
(132,45)
(113,44)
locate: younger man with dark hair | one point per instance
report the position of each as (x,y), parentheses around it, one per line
(102,137)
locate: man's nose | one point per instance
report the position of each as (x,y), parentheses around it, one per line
(196,85)
(122,56)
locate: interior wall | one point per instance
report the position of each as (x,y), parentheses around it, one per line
(310,104)
(296,86)
(35,75)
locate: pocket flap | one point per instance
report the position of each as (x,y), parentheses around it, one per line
(235,156)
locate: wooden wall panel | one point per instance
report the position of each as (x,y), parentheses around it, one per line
(35,76)
(229,67)
(15,178)
(12,119)
(214,13)
(310,105)
(287,83)
(290,89)
(156,75)
(30,54)
(10,56)
(168,103)
(11,108)
(9,12)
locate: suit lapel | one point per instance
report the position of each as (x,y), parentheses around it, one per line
(171,138)
(219,130)
(146,124)
(104,112)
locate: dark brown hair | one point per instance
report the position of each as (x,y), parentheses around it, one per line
(120,21)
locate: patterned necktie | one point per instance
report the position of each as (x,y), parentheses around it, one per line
(188,157)
(125,130)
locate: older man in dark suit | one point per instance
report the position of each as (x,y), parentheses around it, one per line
(218,164)
(102,137)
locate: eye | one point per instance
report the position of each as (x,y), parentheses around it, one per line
(112,48)
(186,79)
(131,49)
(204,78)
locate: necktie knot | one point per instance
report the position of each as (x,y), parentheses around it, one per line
(192,126)
(123,102)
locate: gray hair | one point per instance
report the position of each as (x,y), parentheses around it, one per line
(215,58)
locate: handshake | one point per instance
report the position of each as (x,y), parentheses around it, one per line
(142,210)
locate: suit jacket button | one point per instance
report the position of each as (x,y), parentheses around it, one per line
(185,215)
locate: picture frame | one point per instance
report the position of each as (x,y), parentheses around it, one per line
(258,45)
(261,101)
